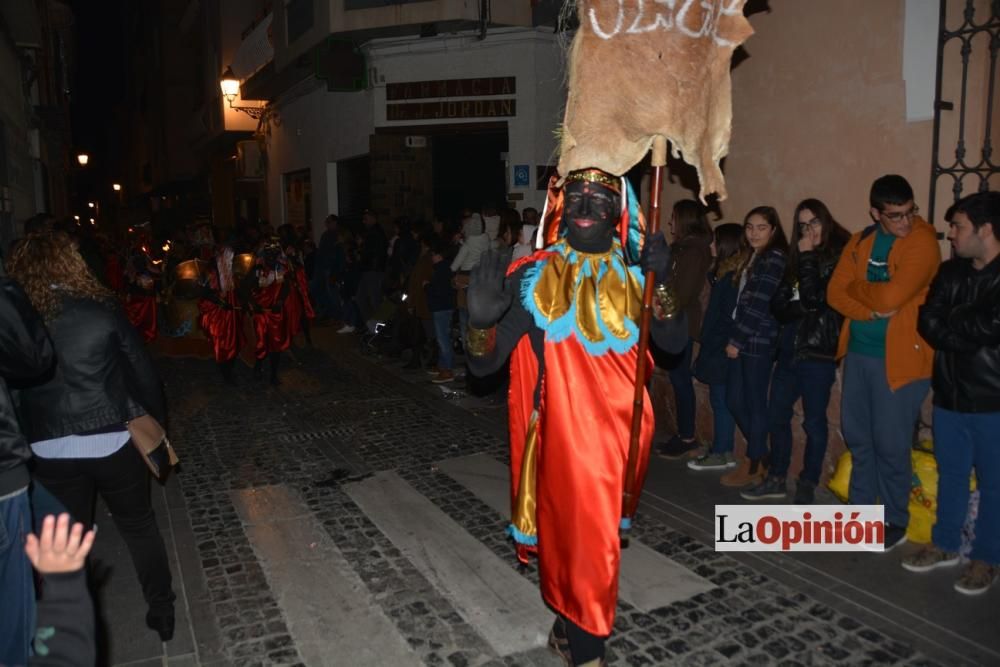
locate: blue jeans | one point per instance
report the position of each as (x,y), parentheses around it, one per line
(442,332)
(877,424)
(812,381)
(724,426)
(963,441)
(681,379)
(746,394)
(17,618)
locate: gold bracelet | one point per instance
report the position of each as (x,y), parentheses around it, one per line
(664,302)
(480,342)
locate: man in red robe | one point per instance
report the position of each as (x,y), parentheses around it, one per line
(568,317)
(265,290)
(220,313)
(141,277)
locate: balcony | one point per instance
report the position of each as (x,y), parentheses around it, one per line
(365,19)
(302,31)
(255,51)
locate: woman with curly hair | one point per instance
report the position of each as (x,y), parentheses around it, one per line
(76,418)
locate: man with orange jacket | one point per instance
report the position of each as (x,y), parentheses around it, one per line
(879,285)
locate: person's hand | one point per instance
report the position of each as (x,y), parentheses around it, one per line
(732,351)
(59,548)
(807,242)
(656,257)
(276,308)
(487,298)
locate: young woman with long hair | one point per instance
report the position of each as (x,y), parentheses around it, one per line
(807,350)
(690,250)
(711,364)
(751,344)
(76,419)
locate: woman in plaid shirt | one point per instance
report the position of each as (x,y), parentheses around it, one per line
(754,333)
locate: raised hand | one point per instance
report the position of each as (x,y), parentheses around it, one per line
(656,257)
(59,548)
(488,299)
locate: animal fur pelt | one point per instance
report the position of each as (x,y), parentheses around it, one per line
(639,68)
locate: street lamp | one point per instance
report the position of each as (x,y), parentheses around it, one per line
(83,159)
(117,187)
(230,86)
(77,218)
(90,204)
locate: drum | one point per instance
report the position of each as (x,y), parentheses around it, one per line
(188,279)
(182,319)
(242,265)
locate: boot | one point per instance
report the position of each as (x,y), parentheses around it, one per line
(745,474)
(275,361)
(558,642)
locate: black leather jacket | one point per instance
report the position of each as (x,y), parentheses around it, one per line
(818,324)
(103,375)
(25,353)
(961,321)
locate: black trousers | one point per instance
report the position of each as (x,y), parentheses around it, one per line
(122,479)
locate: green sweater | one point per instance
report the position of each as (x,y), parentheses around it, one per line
(868,336)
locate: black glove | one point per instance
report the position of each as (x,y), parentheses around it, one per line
(487,295)
(656,257)
(276,308)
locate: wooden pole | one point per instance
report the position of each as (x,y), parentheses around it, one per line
(630,496)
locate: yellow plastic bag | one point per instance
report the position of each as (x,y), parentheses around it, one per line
(923,497)
(840,483)
(923,490)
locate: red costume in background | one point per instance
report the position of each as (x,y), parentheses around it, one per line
(219,308)
(298,307)
(265,291)
(140,297)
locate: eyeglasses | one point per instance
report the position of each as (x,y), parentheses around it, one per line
(899,216)
(815,222)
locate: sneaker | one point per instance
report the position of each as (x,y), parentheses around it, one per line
(805,493)
(443,376)
(929,558)
(347,328)
(433,370)
(895,536)
(712,461)
(741,476)
(977,577)
(676,448)
(771,487)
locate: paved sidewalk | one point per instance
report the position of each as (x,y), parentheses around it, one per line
(351,517)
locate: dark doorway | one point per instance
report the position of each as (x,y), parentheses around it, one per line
(469,170)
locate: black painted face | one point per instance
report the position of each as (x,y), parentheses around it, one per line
(590,214)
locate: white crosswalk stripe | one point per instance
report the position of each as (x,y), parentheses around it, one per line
(329,612)
(649,579)
(503,607)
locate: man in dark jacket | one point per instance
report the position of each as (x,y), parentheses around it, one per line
(961,319)
(322,290)
(25,353)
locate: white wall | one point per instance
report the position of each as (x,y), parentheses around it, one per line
(317,128)
(312,131)
(533,56)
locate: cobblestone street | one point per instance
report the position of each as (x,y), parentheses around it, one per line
(353,517)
